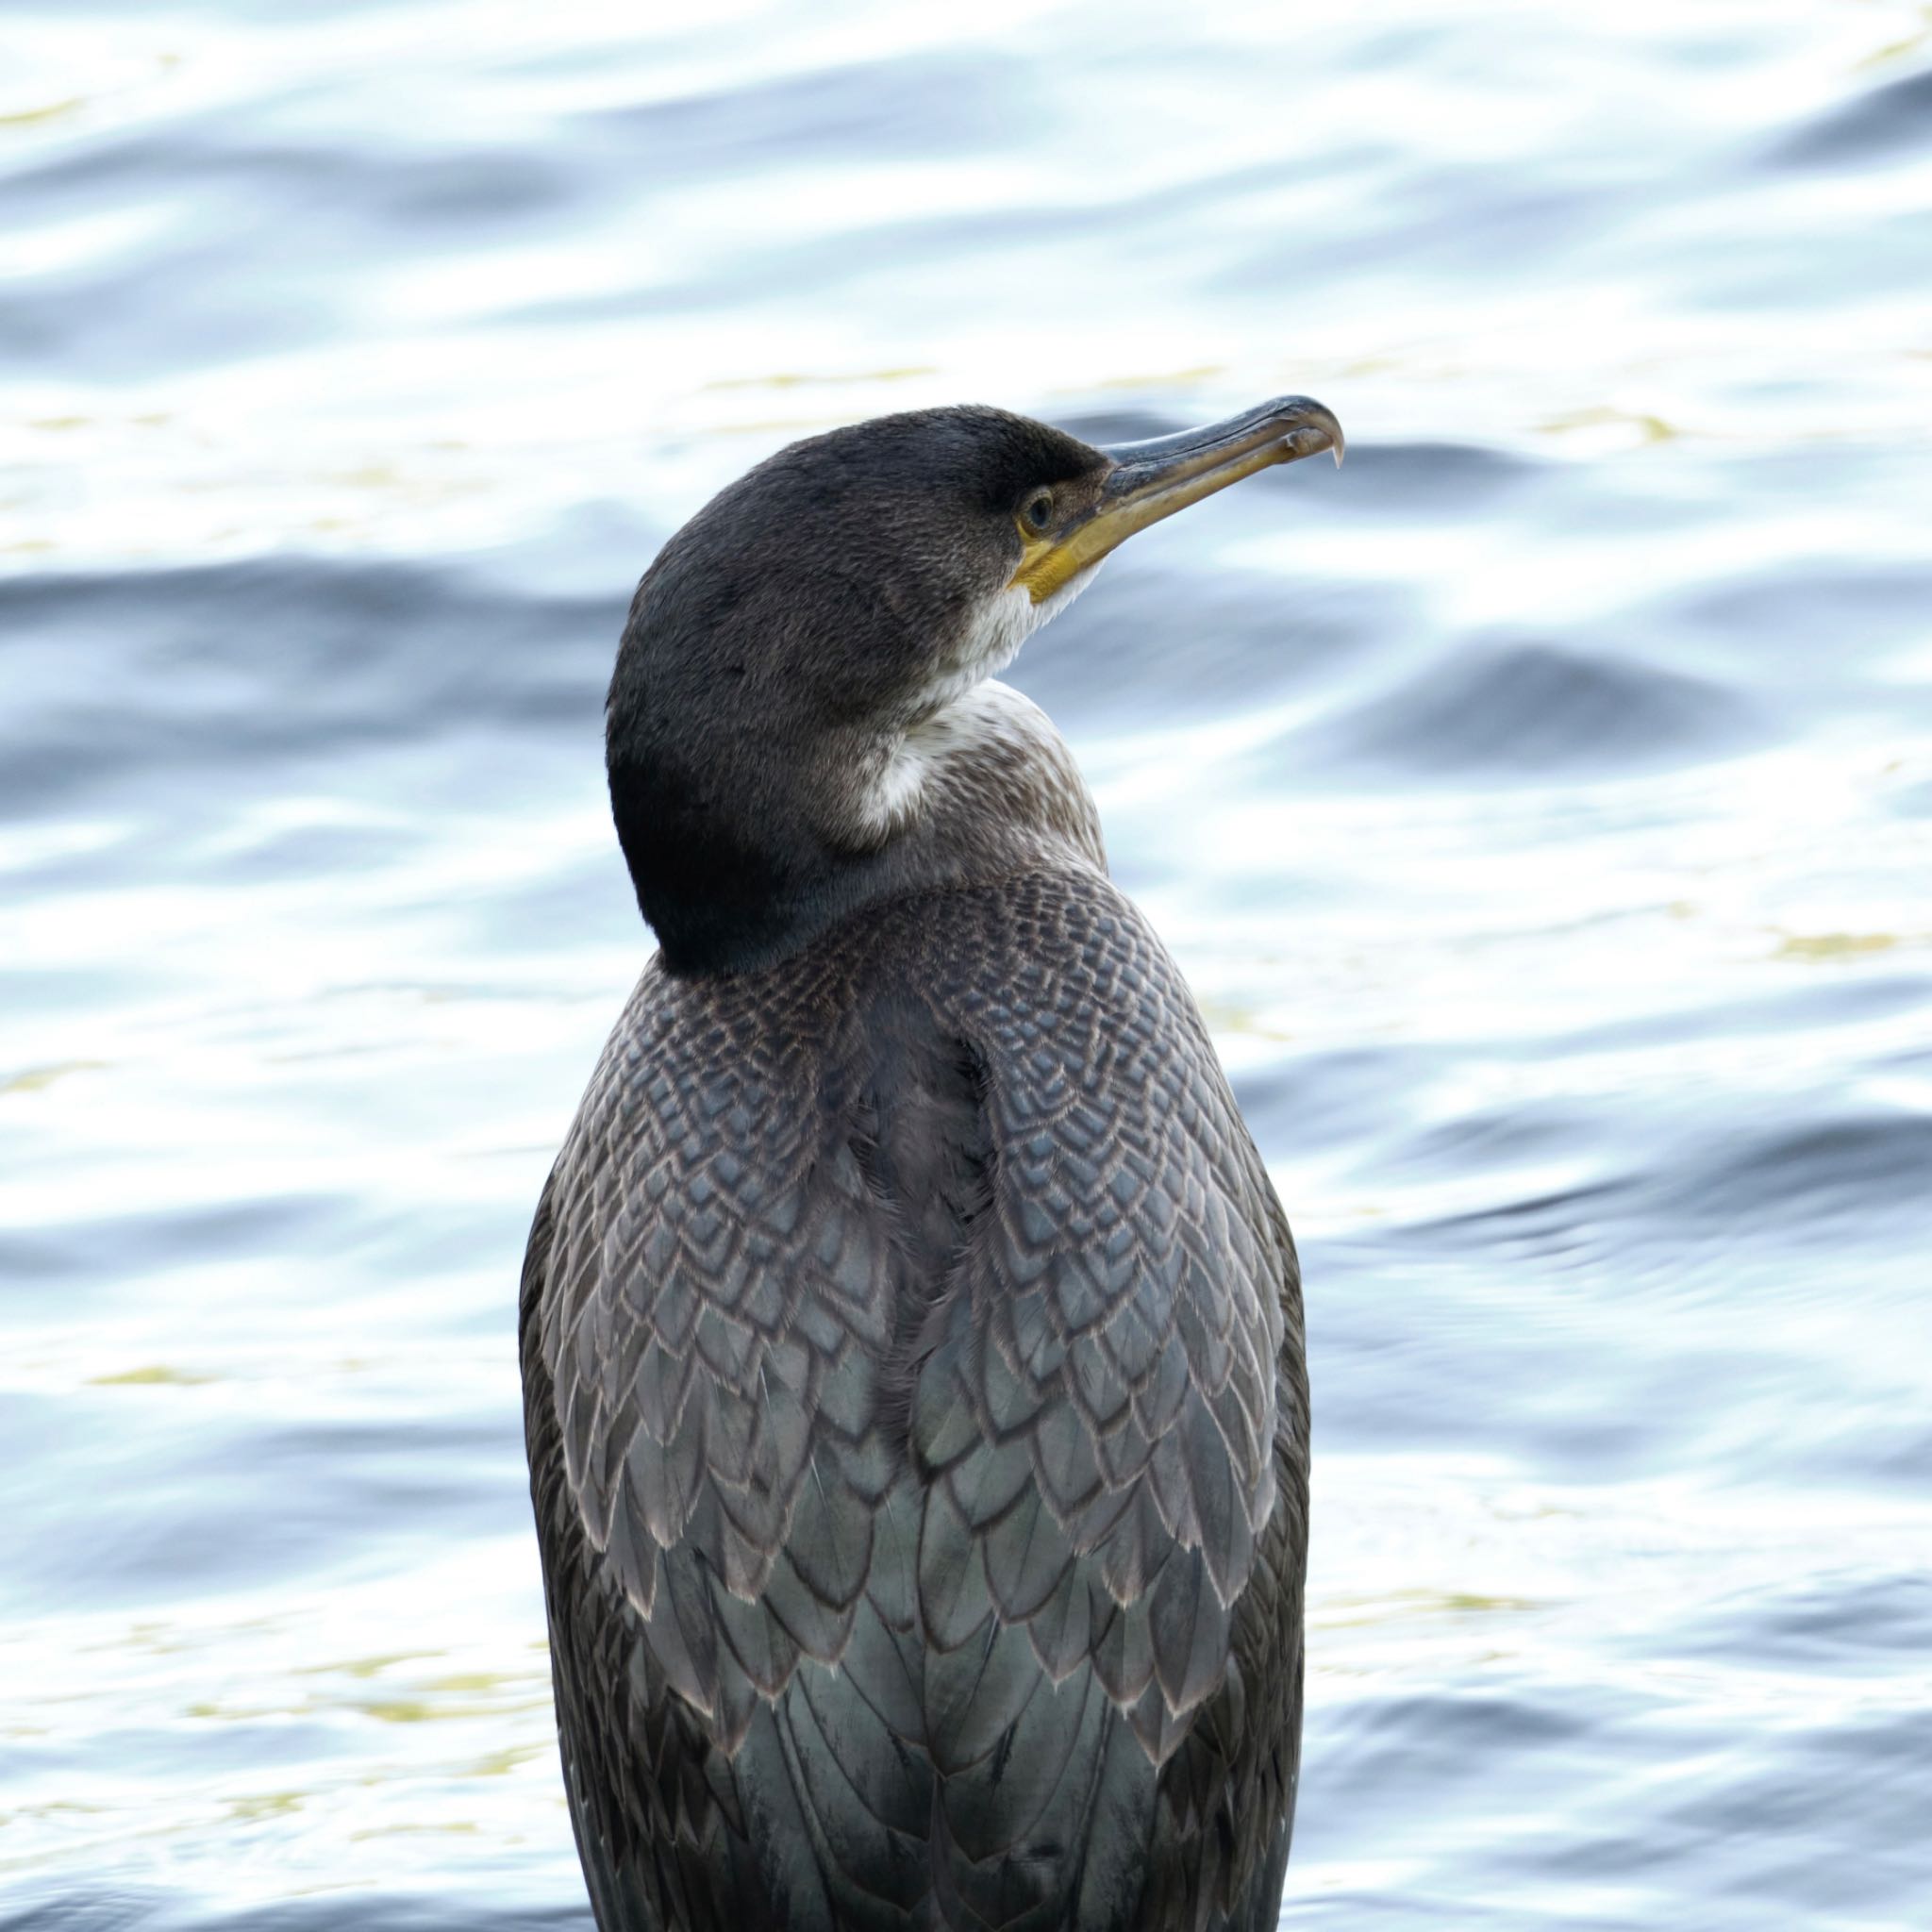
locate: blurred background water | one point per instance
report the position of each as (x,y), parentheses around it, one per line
(1541,808)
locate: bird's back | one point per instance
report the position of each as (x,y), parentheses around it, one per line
(918,1434)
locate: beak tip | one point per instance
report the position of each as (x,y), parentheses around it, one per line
(1308,427)
(1311,438)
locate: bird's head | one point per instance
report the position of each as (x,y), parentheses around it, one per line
(803,678)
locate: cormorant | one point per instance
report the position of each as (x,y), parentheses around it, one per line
(912,1338)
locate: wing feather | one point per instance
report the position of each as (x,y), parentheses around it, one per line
(913,1350)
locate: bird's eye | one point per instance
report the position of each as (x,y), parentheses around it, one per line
(1036,512)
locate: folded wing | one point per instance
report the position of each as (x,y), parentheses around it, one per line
(908,1353)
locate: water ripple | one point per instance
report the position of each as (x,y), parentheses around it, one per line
(1541,807)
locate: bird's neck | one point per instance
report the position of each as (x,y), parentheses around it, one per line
(978,783)
(974,790)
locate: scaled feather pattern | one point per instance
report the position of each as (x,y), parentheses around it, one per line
(912,1343)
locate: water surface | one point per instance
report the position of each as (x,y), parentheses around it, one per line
(1541,808)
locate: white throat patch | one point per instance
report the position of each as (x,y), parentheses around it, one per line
(970,712)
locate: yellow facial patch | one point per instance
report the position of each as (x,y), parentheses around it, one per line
(1140,489)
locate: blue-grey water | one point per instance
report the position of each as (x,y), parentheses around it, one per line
(1541,807)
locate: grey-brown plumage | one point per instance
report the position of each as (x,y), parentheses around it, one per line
(912,1338)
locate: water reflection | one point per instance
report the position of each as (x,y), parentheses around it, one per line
(1540,808)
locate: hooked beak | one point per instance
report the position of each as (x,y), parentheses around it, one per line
(1146,481)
